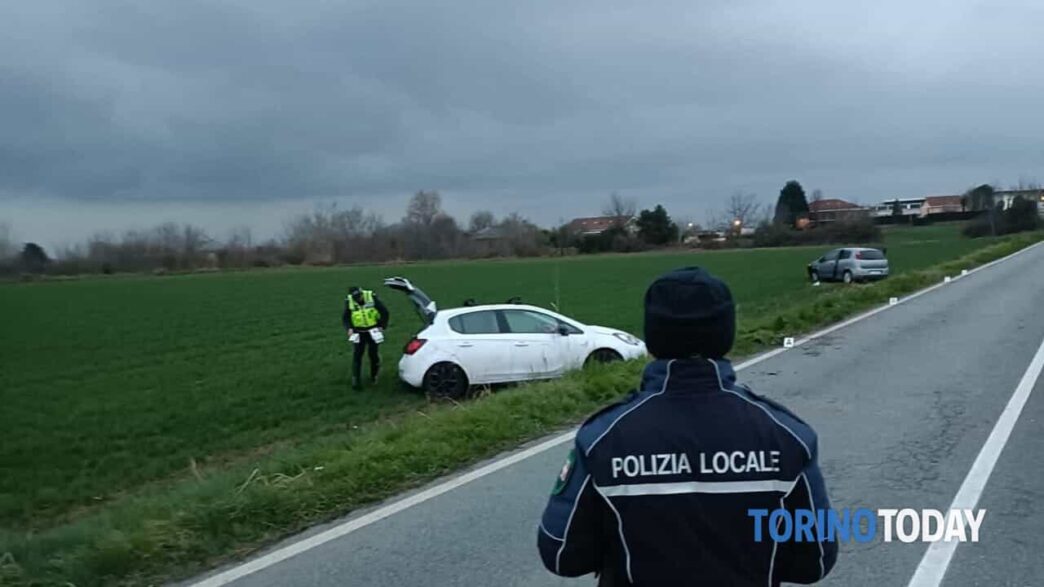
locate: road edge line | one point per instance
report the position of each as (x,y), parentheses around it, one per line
(936,561)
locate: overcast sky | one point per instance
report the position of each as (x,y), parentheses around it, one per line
(116,114)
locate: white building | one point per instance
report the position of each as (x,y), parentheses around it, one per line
(907,207)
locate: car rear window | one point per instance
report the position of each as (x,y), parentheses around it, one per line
(871,255)
(484,322)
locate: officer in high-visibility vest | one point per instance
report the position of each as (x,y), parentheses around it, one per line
(365,318)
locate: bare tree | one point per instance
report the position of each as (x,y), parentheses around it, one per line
(1026,184)
(193,240)
(687,227)
(424,208)
(238,250)
(817,196)
(742,208)
(620,208)
(445,237)
(7,247)
(328,235)
(522,236)
(241,237)
(481,220)
(427,231)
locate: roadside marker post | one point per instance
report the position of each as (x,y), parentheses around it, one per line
(946,279)
(893,301)
(788,342)
(964,271)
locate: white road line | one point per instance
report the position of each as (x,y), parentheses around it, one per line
(349,526)
(379,514)
(937,560)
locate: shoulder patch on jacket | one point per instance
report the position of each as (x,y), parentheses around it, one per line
(565,473)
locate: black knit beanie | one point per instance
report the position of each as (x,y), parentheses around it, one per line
(689,312)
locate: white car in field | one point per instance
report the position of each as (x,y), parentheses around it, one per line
(500,343)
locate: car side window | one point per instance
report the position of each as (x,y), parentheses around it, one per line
(831,256)
(482,322)
(845,253)
(569,327)
(529,322)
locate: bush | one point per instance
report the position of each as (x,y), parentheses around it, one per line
(1022,216)
(852,231)
(616,239)
(978,229)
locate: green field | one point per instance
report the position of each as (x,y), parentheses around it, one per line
(116,388)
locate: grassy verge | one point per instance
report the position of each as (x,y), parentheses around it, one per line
(835,304)
(180,528)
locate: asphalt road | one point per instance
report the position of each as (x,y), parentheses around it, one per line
(903,401)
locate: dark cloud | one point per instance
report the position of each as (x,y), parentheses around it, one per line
(529,102)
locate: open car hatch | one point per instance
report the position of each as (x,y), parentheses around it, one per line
(424,305)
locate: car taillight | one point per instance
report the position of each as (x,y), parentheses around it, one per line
(859,255)
(414,346)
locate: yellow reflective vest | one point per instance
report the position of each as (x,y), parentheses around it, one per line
(366,315)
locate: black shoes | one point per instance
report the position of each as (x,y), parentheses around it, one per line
(357,384)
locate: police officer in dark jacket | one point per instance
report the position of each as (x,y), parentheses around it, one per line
(363,314)
(657,488)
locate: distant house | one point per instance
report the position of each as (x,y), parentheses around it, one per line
(930,205)
(834,209)
(942,205)
(907,207)
(598,224)
(1007,197)
(491,240)
(707,236)
(489,234)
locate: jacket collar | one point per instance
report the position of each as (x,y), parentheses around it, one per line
(692,374)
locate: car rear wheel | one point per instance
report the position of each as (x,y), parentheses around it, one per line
(847,277)
(446,381)
(603,356)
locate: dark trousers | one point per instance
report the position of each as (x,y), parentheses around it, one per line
(365,343)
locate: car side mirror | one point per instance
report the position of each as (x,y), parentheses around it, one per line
(563,330)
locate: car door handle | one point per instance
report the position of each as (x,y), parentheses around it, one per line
(465,345)
(521,344)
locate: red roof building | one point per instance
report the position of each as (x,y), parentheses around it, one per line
(834,209)
(941,204)
(597,224)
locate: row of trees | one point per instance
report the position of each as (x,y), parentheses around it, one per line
(326,236)
(332,235)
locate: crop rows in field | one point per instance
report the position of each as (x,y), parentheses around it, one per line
(111,384)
